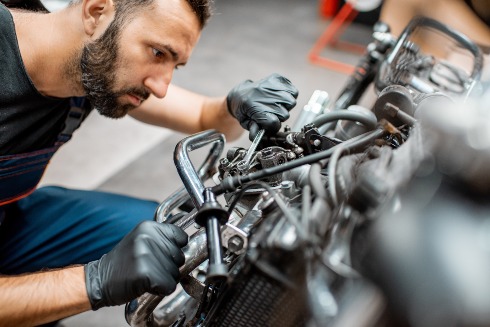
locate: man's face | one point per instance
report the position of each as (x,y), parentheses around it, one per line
(125,65)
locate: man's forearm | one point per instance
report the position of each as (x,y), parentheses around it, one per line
(215,115)
(33,299)
(188,112)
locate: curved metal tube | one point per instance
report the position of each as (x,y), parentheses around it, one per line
(184,166)
(461,38)
(195,252)
(170,312)
(162,214)
(181,195)
(138,310)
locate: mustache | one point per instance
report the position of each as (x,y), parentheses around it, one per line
(141,93)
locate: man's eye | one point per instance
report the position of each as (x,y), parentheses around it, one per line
(158,53)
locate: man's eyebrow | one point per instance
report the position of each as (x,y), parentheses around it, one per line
(175,55)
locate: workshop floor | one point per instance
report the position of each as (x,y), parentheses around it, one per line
(244,40)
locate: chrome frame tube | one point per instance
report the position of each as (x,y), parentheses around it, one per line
(461,38)
(195,252)
(208,167)
(184,166)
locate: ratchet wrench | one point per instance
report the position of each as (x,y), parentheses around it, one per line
(245,163)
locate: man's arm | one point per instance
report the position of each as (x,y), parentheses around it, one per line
(42,297)
(145,260)
(188,112)
(262,104)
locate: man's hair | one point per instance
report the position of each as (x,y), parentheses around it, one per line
(202,9)
(125,9)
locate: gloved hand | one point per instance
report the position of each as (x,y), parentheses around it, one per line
(146,260)
(263,104)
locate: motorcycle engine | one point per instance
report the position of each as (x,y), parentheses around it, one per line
(303,232)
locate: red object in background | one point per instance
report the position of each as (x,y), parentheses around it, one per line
(330,36)
(328,8)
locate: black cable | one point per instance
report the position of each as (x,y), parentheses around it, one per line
(231,183)
(332,175)
(315,181)
(306,207)
(367,120)
(240,195)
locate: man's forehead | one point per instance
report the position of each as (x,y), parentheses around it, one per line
(177,5)
(171,24)
(168,9)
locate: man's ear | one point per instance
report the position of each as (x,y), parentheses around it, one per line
(96,16)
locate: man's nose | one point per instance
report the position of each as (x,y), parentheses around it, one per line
(159,81)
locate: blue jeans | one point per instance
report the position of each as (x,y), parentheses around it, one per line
(57,227)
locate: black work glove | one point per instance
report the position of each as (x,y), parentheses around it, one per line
(146,260)
(263,104)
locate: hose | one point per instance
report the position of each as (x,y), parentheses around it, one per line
(367,120)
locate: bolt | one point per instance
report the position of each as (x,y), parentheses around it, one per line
(223,163)
(241,165)
(291,155)
(265,195)
(235,243)
(298,150)
(317,142)
(267,153)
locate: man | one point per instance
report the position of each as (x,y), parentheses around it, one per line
(117,56)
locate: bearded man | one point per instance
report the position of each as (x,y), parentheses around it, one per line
(67,251)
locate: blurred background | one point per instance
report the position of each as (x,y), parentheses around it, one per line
(245,39)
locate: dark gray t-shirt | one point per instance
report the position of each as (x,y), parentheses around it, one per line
(29,121)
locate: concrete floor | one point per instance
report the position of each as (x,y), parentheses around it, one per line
(244,40)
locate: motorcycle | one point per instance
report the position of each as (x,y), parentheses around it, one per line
(353,216)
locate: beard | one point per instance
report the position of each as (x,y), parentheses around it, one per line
(99,62)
